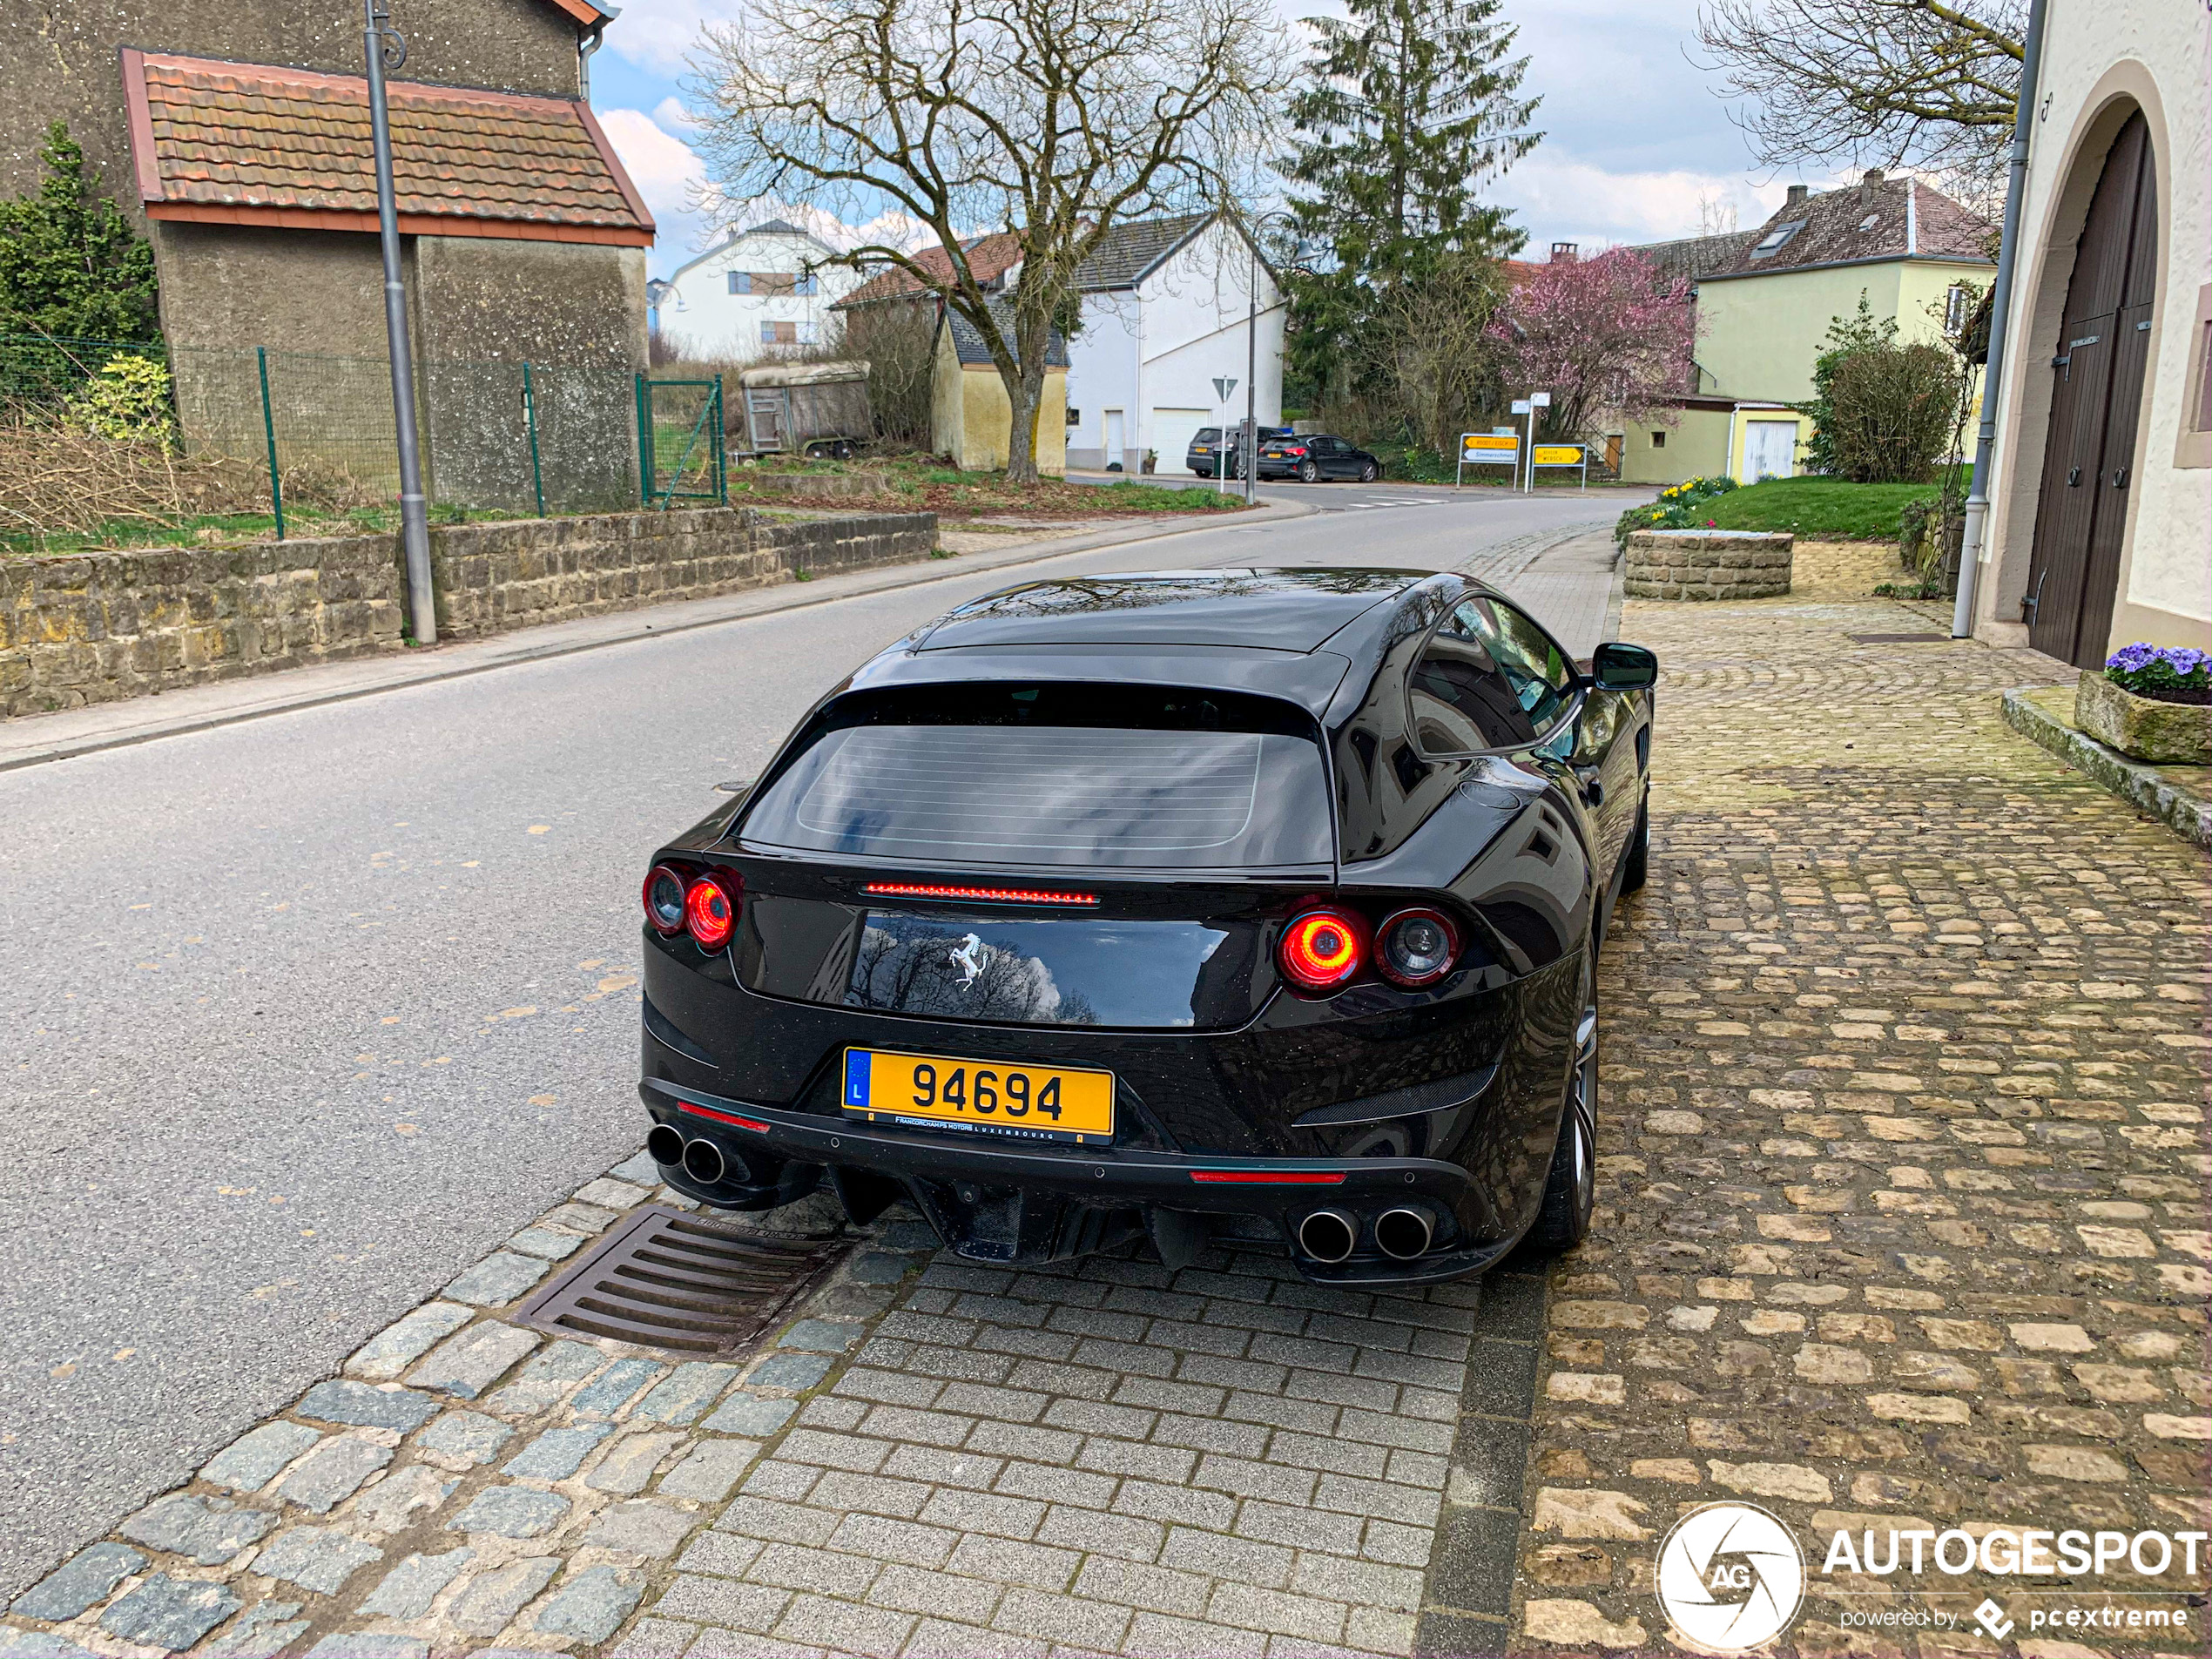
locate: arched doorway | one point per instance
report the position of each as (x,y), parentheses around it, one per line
(2103,349)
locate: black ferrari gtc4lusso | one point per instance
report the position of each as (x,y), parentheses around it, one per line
(1258,901)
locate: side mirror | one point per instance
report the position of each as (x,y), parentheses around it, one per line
(1616,666)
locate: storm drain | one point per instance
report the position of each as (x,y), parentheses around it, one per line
(665,1279)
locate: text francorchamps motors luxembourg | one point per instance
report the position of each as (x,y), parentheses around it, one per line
(1731,1576)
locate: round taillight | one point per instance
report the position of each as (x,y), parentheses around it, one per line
(709,913)
(1417,947)
(665,900)
(1323,949)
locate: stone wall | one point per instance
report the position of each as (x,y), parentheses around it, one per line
(99,627)
(1707,565)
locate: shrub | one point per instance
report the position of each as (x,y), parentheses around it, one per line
(1675,510)
(128,398)
(2172,673)
(1890,413)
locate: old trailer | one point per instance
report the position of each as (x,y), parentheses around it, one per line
(815,409)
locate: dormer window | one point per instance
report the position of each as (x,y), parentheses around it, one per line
(1772,241)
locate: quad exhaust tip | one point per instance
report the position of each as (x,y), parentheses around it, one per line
(1328,1235)
(1403,1234)
(703,1163)
(665,1143)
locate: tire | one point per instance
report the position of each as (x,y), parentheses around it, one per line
(1369,473)
(1570,1191)
(1637,865)
(1308,472)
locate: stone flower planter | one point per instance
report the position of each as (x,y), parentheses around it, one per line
(2142,727)
(1707,565)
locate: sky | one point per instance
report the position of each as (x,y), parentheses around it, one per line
(1635,138)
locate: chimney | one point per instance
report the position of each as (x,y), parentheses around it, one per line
(1564,252)
(1874,177)
(1796,196)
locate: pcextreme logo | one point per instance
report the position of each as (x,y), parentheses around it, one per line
(1730,1576)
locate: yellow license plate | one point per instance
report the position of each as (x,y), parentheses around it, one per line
(982,1097)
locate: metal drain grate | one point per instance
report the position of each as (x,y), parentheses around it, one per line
(1899,639)
(665,1279)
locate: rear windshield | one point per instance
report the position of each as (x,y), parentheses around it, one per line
(1044,776)
(1206,434)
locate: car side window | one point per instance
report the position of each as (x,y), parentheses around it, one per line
(1488,679)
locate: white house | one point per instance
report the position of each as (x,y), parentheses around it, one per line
(1166,310)
(761,289)
(2101,527)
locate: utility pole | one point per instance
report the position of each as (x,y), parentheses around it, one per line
(415,525)
(2001,304)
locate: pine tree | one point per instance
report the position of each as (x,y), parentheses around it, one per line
(1409,107)
(1410,104)
(70,263)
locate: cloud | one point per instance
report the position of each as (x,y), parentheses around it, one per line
(1557,197)
(666,172)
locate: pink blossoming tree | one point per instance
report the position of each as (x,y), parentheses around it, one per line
(1603,336)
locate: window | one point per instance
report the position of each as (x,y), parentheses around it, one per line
(807,286)
(1057,775)
(740,282)
(779,334)
(1488,679)
(807,333)
(1772,241)
(1658,440)
(1956,310)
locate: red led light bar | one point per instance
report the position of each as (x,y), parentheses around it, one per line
(1272,1177)
(979,895)
(757,1126)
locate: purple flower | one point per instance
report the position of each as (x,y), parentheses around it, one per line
(2130,658)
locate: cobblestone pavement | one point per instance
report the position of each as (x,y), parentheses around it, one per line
(1901,1216)
(1903,1202)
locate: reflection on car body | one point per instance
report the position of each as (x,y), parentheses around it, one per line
(1167,904)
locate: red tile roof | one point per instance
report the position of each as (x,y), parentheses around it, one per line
(989,257)
(253,144)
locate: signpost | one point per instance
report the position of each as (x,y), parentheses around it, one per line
(1486,450)
(1563,456)
(1528,406)
(1223,385)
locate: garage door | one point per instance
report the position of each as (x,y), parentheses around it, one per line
(1172,430)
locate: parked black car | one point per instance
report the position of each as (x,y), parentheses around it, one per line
(1259,901)
(1204,458)
(1315,457)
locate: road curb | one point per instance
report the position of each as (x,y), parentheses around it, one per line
(620,628)
(2138,784)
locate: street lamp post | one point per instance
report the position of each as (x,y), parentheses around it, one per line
(415,525)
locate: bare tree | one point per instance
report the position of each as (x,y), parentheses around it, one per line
(1926,83)
(1052,121)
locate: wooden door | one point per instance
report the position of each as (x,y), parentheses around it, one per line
(2104,340)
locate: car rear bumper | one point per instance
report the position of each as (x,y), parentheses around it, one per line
(1015,1202)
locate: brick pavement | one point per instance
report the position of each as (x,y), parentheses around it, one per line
(1902,1204)
(1901,1216)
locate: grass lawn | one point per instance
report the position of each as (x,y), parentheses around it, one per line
(923,483)
(1825,509)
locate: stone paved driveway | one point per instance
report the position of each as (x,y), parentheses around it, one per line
(1903,1220)
(1904,1162)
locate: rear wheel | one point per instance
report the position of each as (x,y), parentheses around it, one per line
(1307,472)
(1570,1193)
(1637,867)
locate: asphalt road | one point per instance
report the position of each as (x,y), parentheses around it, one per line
(307,1012)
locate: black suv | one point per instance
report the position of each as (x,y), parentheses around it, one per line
(1203,457)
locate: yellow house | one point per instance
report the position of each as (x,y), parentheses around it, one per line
(970,418)
(1765,299)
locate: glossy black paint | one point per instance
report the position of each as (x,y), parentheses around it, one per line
(1452,1091)
(1318,457)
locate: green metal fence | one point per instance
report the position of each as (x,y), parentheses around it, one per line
(524,438)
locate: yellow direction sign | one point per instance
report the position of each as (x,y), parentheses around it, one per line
(1559,455)
(1489,445)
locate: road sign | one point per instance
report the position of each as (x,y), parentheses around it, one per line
(1521,405)
(1542,399)
(1571,457)
(1486,450)
(1224,385)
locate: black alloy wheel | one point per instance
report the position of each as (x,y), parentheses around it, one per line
(1570,1193)
(1308,472)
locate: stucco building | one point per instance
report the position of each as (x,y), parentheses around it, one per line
(237,135)
(757,291)
(971,419)
(1765,299)
(2101,528)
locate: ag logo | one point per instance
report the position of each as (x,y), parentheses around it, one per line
(1730,1577)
